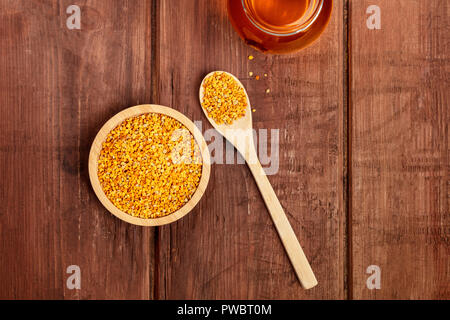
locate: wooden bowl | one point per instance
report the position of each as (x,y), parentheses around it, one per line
(113,123)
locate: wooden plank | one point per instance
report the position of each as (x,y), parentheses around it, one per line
(228,247)
(58,88)
(400,168)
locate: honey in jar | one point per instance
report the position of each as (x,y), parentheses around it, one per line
(279,26)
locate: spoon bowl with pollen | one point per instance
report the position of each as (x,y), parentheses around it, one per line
(240,134)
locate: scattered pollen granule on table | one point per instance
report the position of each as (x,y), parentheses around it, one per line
(224,99)
(149,166)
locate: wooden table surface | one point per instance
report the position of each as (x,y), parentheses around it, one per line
(363,153)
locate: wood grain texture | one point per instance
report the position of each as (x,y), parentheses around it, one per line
(400,165)
(228,247)
(58,87)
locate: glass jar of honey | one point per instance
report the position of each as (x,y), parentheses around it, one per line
(279,26)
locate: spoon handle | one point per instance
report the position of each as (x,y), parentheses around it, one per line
(294,250)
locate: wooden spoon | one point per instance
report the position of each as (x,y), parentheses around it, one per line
(240,134)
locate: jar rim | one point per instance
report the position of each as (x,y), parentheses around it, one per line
(298,29)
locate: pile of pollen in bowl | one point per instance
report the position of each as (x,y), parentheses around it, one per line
(224,99)
(149,166)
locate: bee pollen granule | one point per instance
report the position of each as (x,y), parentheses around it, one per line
(149,166)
